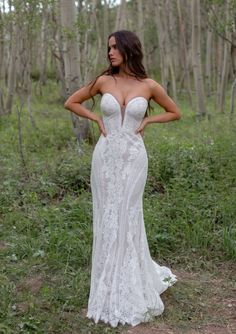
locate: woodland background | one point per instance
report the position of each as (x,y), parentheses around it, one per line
(48,49)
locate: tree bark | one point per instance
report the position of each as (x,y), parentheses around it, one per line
(2,64)
(71,60)
(219,62)
(232,98)
(121,16)
(2,45)
(162,44)
(208,62)
(184,54)
(12,68)
(169,51)
(44,45)
(56,50)
(97,28)
(196,57)
(141,28)
(225,65)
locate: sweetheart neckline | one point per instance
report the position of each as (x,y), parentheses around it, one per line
(125,105)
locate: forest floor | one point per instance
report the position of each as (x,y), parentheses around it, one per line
(201,302)
(209,305)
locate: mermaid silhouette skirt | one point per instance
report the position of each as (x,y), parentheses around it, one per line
(126,282)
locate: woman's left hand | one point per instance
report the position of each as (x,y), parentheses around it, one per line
(142,126)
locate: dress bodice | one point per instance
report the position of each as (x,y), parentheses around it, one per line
(117,118)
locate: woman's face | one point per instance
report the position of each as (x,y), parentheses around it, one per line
(114,54)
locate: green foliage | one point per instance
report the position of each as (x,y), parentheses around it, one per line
(192,188)
(215,15)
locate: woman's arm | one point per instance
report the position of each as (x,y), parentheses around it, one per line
(74,103)
(159,95)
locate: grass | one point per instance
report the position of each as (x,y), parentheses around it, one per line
(46,218)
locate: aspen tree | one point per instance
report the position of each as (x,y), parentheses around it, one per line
(121,16)
(11,82)
(225,65)
(196,58)
(44,44)
(140,5)
(71,62)
(183,50)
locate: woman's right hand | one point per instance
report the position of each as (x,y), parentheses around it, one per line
(101,126)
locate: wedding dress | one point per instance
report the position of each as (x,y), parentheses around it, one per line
(125,282)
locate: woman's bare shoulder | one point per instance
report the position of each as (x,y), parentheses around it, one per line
(96,84)
(104,78)
(152,83)
(101,81)
(154,87)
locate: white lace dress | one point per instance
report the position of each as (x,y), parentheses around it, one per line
(125,282)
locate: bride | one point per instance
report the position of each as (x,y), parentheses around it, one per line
(126,282)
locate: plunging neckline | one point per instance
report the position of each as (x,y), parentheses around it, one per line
(124,106)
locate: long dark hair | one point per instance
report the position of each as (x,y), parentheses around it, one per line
(130,47)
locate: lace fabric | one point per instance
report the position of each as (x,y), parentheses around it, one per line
(126,282)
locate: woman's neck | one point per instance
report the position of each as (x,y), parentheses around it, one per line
(124,72)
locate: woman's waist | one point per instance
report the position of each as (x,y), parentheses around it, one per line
(114,125)
(121,144)
(123,133)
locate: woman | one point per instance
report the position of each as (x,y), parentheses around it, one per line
(125,282)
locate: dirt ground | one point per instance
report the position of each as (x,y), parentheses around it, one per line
(216,296)
(201,302)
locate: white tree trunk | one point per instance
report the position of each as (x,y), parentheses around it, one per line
(184,53)
(56,50)
(44,45)
(121,16)
(2,46)
(169,51)
(71,58)
(208,70)
(232,97)
(99,37)
(90,54)
(224,77)
(219,62)
(233,59)
(196,56)
(12,68)
(2,61)
(141,27)
(225,65)
(162,43)
(70,45)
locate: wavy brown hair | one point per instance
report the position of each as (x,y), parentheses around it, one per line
(130,47)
